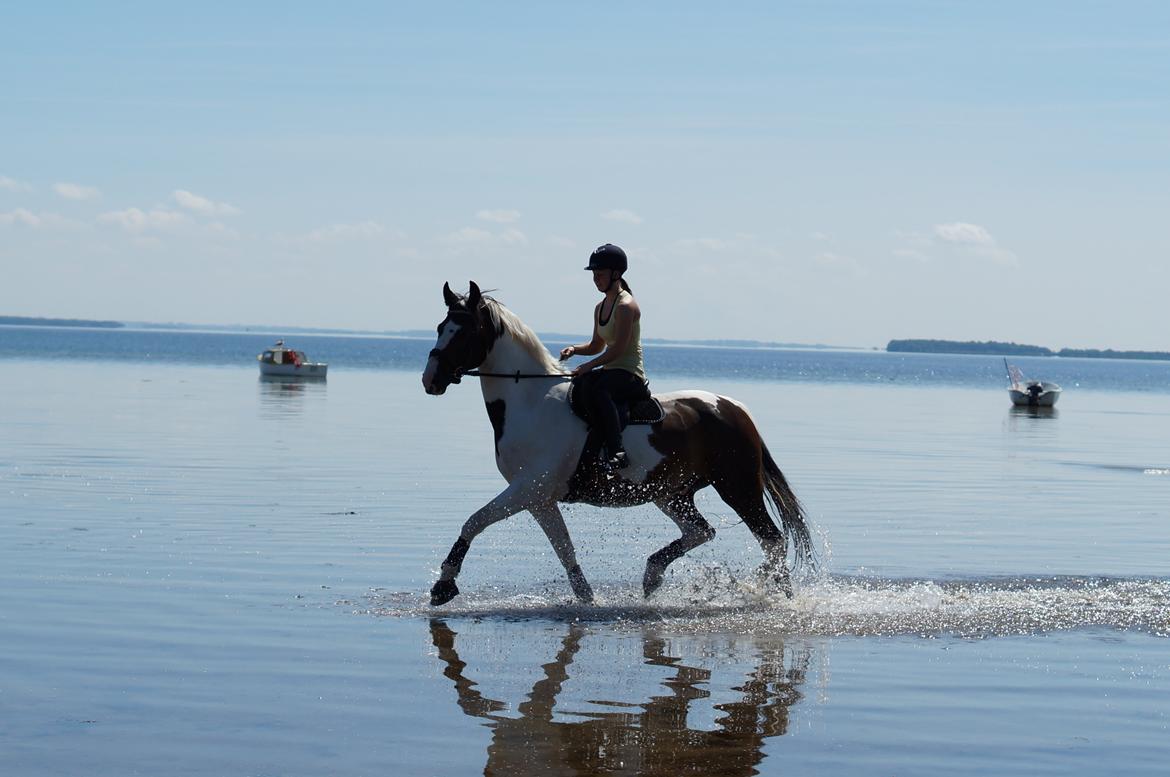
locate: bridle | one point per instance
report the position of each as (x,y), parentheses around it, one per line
(458,372)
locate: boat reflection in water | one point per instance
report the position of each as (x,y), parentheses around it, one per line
(647,738)
(1034,411)
(281,396)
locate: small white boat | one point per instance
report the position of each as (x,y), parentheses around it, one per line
(1030,393)
(286,362)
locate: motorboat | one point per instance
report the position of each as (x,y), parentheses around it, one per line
(285,362)
(1030,393)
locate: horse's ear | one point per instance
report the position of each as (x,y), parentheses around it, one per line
(473,296)
(449,296)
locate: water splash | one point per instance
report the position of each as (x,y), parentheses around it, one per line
(715,600)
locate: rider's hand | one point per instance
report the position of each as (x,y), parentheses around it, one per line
(567,352)
(581,370)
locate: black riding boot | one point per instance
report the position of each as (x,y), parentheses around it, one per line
(604,389)
(612,455)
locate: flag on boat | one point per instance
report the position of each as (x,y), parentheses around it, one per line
(1014,374)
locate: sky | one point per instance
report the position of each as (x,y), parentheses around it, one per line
(828,172)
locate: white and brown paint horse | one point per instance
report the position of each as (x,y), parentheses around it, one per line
(703,440)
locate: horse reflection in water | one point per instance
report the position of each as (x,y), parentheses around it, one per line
(654,740)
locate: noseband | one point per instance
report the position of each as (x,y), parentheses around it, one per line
(445,363)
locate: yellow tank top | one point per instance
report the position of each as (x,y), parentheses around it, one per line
(631,359)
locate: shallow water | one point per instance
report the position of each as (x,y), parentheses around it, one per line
(203,573)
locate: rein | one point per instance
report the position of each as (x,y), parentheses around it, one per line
(516,376)
(457,374)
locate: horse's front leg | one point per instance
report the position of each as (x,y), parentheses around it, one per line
(695,531)
(553,523)
(516,497)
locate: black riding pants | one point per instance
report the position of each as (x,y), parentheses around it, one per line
(603,390)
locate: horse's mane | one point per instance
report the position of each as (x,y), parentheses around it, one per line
(505,321)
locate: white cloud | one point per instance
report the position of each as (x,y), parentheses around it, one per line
(219,229)
(40,221)
(976,239)
(21,216)
(136,220)
(622,215)
(13,185)
(468,235)
(838,262)
(75,191)
(476,236)
(194,202)
(964,234)
(499,216)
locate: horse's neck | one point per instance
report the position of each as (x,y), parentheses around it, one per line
(508,355)
(517,349)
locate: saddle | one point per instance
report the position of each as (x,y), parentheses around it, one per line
(643,412)
(590,479)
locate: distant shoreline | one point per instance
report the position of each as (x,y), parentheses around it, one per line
(969,347)
(402,333)
(994,348)
(74,322)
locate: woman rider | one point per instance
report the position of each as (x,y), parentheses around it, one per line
(617,337)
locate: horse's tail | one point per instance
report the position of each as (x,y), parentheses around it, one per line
(791,512)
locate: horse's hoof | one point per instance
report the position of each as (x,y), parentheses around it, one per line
(443,592)
(651,581)
(581,587)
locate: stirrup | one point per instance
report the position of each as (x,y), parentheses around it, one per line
(618,460)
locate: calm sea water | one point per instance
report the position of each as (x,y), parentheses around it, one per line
(205,573)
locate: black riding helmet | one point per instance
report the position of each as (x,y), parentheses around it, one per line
(608,257)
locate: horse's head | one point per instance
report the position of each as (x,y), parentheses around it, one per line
(465,337)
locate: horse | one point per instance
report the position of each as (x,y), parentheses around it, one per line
(703,439)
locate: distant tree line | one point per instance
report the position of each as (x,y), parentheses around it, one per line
(1109,353)
(953,346)
(31,321)
(1016,349)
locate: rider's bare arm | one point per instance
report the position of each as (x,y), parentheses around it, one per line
(623,329)
(594,346)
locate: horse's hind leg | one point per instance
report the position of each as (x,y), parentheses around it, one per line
(553,523)
(749,505)
(695,531)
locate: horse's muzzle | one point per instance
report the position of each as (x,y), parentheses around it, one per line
(430,378)
(438,374)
